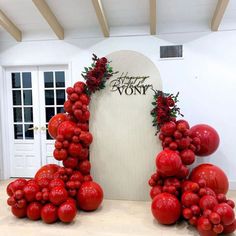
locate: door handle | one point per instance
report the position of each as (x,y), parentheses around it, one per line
(44,128)
(33,128)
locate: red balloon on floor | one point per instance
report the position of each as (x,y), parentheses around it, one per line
(166,208)
(90,196)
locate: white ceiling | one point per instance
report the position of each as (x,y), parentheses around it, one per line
(127,12)
(173,16)
(23,13)
(229,21)
(73,14)
(184,15)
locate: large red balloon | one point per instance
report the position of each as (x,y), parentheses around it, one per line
(209,139)
(54,122)
(90,196)
(46,171)
(166,208)
(215,178)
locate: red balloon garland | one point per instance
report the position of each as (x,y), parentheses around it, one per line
(201,194)
(55,192)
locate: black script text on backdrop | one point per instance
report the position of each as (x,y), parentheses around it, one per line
(130,85)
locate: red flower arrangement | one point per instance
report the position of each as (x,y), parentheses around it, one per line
(97,74)
(165,108)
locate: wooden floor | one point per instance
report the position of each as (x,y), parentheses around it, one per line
(114,218)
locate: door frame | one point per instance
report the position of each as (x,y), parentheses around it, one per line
(6,138)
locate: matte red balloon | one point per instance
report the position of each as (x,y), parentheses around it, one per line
(215,178)
(54,122)
(166,208)
(90,196)
(209,139)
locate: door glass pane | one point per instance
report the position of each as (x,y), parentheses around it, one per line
(60,78)
(49,113)
(29,134)
(28,114)
(17,114)
(60,110)
(16,97)
(49,97)
(27,95)
(60,97)
(15,79)
(26,78)
(48,79)
(48,137)
(54,83)
(18,131)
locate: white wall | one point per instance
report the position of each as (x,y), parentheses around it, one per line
(206,77)
(1,131)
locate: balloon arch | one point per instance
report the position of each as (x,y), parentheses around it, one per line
(56,192)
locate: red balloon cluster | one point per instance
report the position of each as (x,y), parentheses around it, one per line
(56,192)
(176,136)
(211,213)
(199,197)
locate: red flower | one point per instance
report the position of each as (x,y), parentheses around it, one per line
(170,101)
(165,109)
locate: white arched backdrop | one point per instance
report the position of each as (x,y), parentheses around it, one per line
(124,147)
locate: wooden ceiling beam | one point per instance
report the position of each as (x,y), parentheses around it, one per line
(10,27)
(101,17)
(153,16)
(51,19)
(219,14)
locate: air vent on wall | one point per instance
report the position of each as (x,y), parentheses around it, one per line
(171,52)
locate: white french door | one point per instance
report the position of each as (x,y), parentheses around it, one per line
(35,94)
